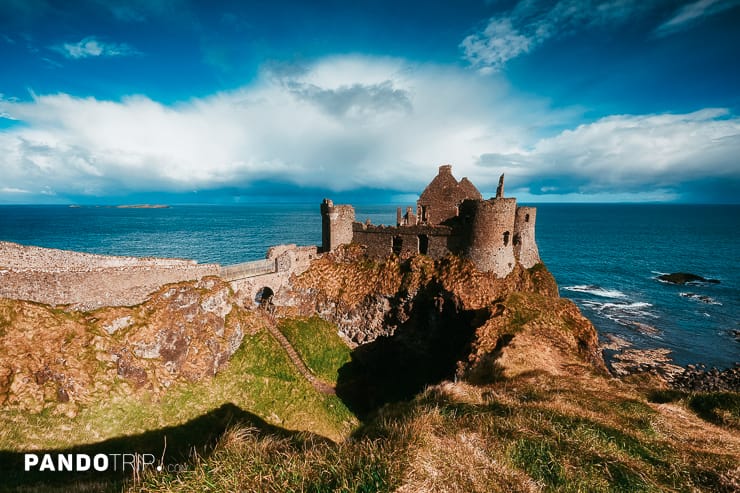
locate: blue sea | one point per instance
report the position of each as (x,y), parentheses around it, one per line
(604,257)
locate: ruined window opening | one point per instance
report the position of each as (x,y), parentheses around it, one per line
(526,218)
(424,212)
(423,244)
(506,238)
(397,245)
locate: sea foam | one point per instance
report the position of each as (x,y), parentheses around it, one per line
(596,291)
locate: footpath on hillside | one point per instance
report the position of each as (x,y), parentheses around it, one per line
(317,383)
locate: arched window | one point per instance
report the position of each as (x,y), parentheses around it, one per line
(526,218)
(506,238)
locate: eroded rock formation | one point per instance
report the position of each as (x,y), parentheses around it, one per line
(184,331)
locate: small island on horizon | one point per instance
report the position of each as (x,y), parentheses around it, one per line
(124,206)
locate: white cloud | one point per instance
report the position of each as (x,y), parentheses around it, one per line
(532,22)
(499,42)
(386,126)
(693,12)
(92,47)
(629,153)
(351,122)
(13,190)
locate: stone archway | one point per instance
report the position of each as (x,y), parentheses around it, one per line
(263,297)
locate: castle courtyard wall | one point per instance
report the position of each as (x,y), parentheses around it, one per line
(378,240)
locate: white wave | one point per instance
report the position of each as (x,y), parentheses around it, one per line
(621,313)
(700,298)
(596,291)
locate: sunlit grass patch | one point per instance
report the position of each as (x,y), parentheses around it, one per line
(318,345)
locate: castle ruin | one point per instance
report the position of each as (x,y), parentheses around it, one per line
(451,218)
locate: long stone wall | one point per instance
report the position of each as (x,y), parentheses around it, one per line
(88,281)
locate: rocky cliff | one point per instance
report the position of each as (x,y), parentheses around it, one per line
(420,321)
(56,358)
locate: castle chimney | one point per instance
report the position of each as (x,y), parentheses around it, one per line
(500,189)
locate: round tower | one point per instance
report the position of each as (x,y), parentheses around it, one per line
(491,245)
(525,247)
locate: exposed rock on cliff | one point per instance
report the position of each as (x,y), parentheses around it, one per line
(368,298)
(51,356)
(420,321)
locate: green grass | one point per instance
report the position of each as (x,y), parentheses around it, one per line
(259,379)
(568,439)
(245,461)
(318,345)
(722,408)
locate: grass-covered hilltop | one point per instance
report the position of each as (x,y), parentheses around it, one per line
(408,375)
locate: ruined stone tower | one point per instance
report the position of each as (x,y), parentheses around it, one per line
(336,225)
(451,218)
(525,248)
(491,236)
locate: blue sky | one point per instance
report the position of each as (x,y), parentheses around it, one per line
(181,101)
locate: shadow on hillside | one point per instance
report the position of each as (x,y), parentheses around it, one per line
(424,350)
(199,435)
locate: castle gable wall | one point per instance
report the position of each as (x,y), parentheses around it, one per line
(440,199)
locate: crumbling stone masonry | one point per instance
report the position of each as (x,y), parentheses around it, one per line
(451,218)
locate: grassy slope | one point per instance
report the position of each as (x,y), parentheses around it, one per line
(259,378)
(318,345)
(527,434)
(574,430)
(528,431)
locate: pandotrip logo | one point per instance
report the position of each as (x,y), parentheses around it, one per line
(119,462)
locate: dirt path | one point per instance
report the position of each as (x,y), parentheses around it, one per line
(318,384)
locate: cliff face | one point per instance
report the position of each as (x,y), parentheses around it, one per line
(56,358)
(433,320)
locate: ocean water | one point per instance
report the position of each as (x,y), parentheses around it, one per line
(604,257)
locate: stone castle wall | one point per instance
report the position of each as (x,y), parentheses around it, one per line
(88,281)
(289,260)
(379,241)
(525,246)
(440,199)
(451,218)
